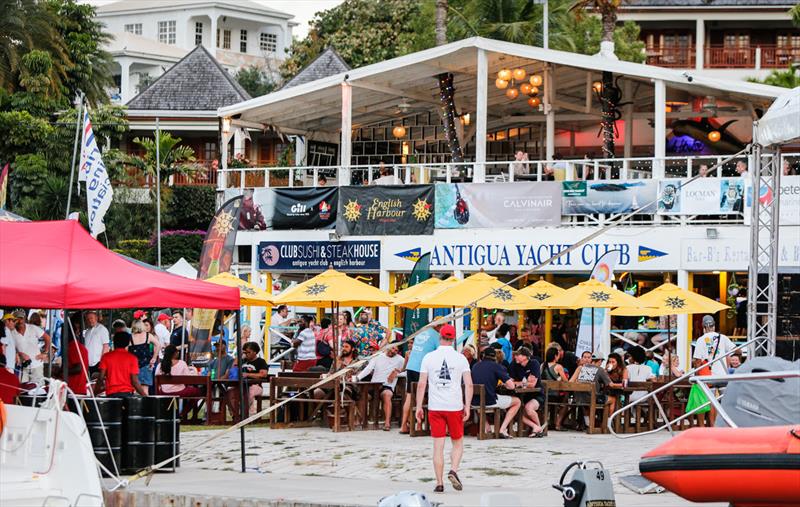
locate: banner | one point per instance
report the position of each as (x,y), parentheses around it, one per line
(789,209)
(386,210)
(491,205)
(288,208)
(414,320)
(608,196)
(310,256)
(703,196)
(93,172)
(595,325)
(3,186)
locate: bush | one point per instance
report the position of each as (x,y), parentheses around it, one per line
(190,208)
(177,244)
(135,248)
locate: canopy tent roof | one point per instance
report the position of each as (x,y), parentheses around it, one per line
(378,88)
(184,269)
(781,123)
(59,265)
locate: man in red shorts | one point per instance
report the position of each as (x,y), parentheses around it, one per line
(443,371)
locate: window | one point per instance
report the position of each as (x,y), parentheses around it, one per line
(166,32)
(135,28)
(226,39)
(787,41)
(269,42)
(736,40)
(198,33)
(243,41)
(209,151)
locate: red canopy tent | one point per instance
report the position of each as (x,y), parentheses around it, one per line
(59,265)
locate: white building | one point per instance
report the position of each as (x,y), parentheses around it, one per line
(149,37)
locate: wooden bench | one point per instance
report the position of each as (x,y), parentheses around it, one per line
(483,410)
(279,390)
(574,387)
(412,424)
(201,381)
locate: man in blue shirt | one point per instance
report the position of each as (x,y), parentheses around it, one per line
(489,372)
(526,371)
(425,342)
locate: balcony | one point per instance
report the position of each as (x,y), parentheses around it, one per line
(724,57)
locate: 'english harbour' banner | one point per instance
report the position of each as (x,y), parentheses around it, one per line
(703,196)
(608,196)
(385,210)
(488,205)
(319,255)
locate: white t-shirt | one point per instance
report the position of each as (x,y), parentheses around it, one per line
(639,373)
(28,342)
(445,368)
(386,180)
(381,366)
(94,338)
(308,349)
(163,334)
(11,351)
(705,347)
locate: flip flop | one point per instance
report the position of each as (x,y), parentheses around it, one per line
(538,434)
(386,428)
(439,488)
(455,481)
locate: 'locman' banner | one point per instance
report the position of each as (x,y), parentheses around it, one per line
(386,210)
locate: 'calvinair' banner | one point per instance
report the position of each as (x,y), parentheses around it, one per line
(490,205)
(382,210)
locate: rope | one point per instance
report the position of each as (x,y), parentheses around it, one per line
(457,313)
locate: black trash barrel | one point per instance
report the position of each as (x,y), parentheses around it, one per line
(138,434)
(103,420)
(168,429)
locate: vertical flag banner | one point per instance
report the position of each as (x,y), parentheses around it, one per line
(93,172)
(603,271)
(3,186)
(216,258)
(414,320)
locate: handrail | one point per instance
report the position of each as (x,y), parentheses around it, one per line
(652,394)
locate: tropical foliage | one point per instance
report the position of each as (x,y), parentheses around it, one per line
(174,158)
(256,80)
(789,78)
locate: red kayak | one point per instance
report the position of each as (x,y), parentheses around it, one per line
(748,467)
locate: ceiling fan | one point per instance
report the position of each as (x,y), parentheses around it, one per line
(710,105)
(403,107)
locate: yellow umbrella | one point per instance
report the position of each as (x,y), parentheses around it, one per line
(334,288)
(249,294)
(541,292)
(411,297)
(669,299)
(484,290)
(593,294)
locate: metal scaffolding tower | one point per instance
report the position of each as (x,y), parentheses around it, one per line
(762,283)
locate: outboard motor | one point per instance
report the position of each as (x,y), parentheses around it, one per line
(589,487)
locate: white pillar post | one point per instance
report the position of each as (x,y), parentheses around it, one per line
(682,341)
(212,41)
(345,144)
(238,142)
(550,114)
(479,174)
(699,44)
(125,92)
(660,120)
(300,151)
(222,176)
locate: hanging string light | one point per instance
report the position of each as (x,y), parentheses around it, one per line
(536,80)
(501,83)
(525,88)
(519,74)
(505,75)
(534,101)
(399,131)
(512,93)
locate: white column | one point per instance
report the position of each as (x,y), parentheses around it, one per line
(482,107)
(125,91)
(300,151)
(383,284)
(550,114)
(660,120)
(699,44)
(222,176)
(212,42)
(238,142)
(345,144)
(682,341)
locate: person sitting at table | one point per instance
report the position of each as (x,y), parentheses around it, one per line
(253,371)
(306,344)
(347,356)
(638,371)
(590,373)
(172,365)
(471,354)
(490,373)
(652,362)
(119,370)
(324,345)
(384,369)
(674,363)
(526,372)
(220,366)
(619,379)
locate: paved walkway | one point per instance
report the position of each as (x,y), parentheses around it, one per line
(315,467)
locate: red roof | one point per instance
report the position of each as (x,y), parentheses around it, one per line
(59,265)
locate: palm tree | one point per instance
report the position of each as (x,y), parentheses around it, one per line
(174,159)
(608,15)
(441,22)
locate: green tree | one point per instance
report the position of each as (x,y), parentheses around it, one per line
(794,12)
(361,31)
(789,78)
(255,80)
(175,159)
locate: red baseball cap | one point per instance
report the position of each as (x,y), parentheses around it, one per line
(163,316)
(447,331)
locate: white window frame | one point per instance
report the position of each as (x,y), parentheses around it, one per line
(198,33)
(243,41)
(134,28)
(268,42)
(167,31)
(226,38)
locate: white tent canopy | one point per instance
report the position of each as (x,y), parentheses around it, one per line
(781,123)
(183,268)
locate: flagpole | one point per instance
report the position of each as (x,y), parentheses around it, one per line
(74,153)
(158,191)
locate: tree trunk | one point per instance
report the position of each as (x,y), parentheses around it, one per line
(441,22)
(606,103)
(609,19)
(449,116)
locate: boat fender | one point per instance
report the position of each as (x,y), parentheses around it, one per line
(589,487)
